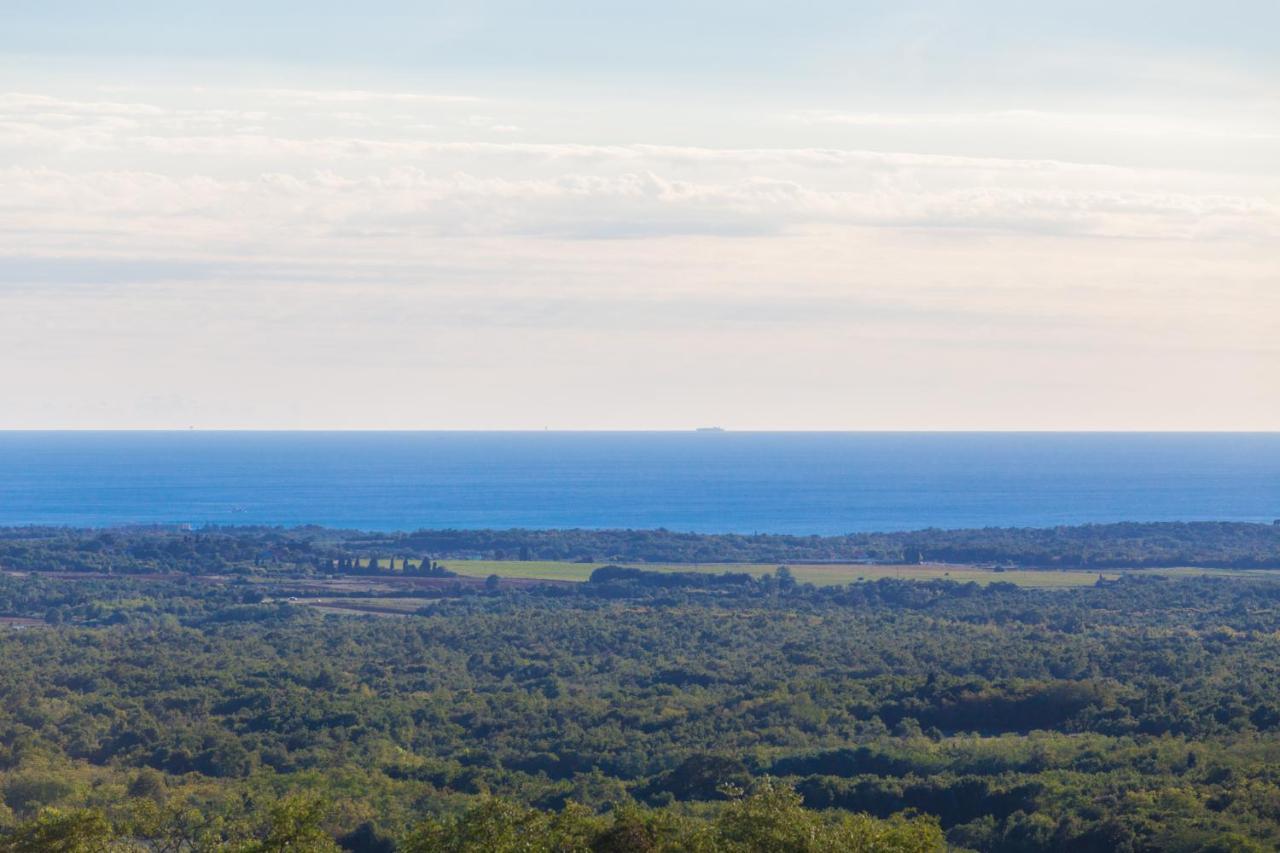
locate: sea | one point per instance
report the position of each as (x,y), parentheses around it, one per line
(707,481)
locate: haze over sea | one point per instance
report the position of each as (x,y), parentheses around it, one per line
(804,483)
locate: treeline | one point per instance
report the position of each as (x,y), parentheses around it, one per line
(216,550)
(1207,544)
(165,550)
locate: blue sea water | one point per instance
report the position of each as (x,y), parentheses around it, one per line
(806,483)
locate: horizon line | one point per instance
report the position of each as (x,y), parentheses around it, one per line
(661,430)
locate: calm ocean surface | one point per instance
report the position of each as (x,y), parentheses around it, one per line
(769,482)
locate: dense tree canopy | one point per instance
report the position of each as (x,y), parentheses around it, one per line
(638,712)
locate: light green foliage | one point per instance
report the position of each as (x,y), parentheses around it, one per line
(56,831)
(500,826)
(181,828)
(769,820)
(773,819)
(295,825)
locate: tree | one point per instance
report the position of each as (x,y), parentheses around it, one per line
(786,580)
(295,824)
(500,826)
(772,820)
(703,776)
(148,784)
(365,838)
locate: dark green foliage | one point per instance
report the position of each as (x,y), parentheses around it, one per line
(1097,546)
(366,838)
(318,550)
(700,777)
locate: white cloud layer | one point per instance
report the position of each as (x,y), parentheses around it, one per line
(277,256)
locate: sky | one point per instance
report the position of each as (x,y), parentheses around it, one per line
(660,215)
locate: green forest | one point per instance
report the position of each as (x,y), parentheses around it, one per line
(641,711)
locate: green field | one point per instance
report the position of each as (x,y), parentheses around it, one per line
(819,575)
(829,574)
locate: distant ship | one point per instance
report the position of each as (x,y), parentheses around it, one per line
(709,429)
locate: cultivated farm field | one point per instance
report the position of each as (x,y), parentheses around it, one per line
(817,574)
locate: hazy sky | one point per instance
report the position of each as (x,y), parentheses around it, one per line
(828,215)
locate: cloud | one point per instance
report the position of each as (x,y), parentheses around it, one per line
(907,221)
(995,121)
(406,203)
(51,107)
(361,96)
(124,194)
